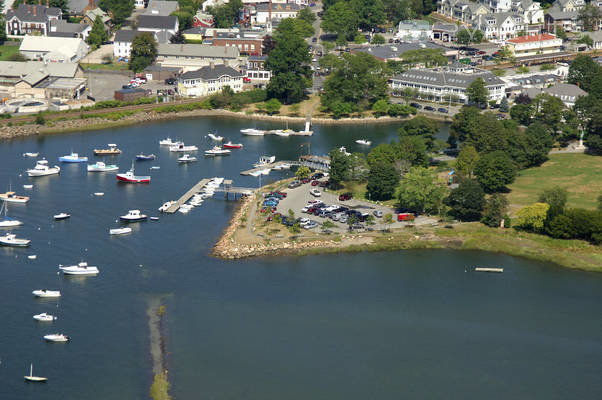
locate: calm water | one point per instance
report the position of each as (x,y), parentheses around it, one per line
(410,324)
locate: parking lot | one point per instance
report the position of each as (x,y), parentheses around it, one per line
(103,84)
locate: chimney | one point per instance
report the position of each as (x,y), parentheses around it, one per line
(91,4)
(35,9)
(47,3)
(39,2)
(211,65)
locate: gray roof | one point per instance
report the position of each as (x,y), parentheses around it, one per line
(197,30)
(157,21)
(211,73)
(77,6)
(62,26)
(197,50)
(566,89)
(31,71)
(440,26)
(163,36)
(445,78)
(125,35)
(257,58)
(97,12)
(596,36)
(414,24)
(157,7)
(388,51)
(500,17)
(33,13)
(277,7)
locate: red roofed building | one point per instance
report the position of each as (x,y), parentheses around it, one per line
(534,44)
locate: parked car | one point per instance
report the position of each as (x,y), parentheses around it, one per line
(170,81)
(305,180)
(345,196)
(317,175)
(357,225)
(315,193)
(315,183)
(443,110)
(429,108)
(405,217)
(294,184)
(481,52)
(378,214)
(310,225)
(416,106)
(343,219)
(314,39)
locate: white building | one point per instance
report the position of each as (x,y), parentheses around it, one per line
(414,30)
(191,57)
(53,49)
(498,6)
(158,23)
(279,12)
(499,26)
(256,70)
(122,44)
(534,44)
(531,11)
(209,80)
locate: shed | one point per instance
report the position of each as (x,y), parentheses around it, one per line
(129,94)
(159,73)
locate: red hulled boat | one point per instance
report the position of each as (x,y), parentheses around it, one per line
(231,145)
(131,177)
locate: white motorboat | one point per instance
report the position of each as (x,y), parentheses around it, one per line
(186,158)
(98,194)
(27,186)
(32,378)
(181,148)
(154,218)
(166,206)
(44,317)
(102,167)
(155,167)
(32,257)
(133,216)
(120,231)
(31,154)
(57,337)
(252,132)
(363,142)
(215,137)
(111,151)
(265,160)
(283,132)
(169,142)
(80,269)
(217,151)
(42,169)
(11,240)
(73,158)
(46,293)
(8,222)
(62,215)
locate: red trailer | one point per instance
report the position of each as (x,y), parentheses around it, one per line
(405,217)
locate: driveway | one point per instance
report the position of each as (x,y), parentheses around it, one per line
(96,57)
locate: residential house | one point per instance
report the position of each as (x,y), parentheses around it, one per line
(202,20)
(499,26)
(534,44)
(442,84)
(122,44)
(444,32)
(157,23)
(209,80)
(568,5)
(30,19)
(62,28)
(41,80)
(91,14)
(160,7)
(53,49)
(498,6)
(194,56)
(79,7)
(567,20)
(596,39)
(566,92)
(279,12)
(256,70)
(196,33)
(414,30)
(531,11)
(466,11)
(249,42)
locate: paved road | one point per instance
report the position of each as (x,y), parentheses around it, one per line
(318,81)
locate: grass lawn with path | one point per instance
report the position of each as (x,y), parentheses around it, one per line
(8,50)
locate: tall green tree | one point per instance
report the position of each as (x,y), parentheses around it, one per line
(494,171)
(370,12)
(341,20)
(119,9)
(495,210)
(382,181)
(98,34)
(582,71)
(225,15)
(532,217)
(307,15)
(144,51)
(339,167)
(556,197)
(420,191)
(2,23)
(477,92)
(467,161)
(467,201)
(413,149)
(421,126)
(294,26)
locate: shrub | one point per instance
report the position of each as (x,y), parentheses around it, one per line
(40,119)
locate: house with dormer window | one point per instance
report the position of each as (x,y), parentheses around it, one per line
(209,80)
(499,26)
(30,19)
(531,11)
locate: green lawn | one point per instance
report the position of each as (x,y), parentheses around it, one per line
(112,66)
(7,50)
(579,174)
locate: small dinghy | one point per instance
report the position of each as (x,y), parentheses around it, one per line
(32,155)
(154,218)
(144,157)
(57,337)
(363,142)
(80,269)
(27,186)
(215,137)
(120,231)
(62,215)
(46,293)
(32,378)
(98,194)
(155,167)
(44,317)
(32,257)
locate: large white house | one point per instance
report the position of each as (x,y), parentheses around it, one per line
(158,23)
(191,57)
(279,12)
(414,29)
(53,49)
(209,80)
(122,44)
(499,26)
(531,11)
(534,44)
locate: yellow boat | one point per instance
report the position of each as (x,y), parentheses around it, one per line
(111,151)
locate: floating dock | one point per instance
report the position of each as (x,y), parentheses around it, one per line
(316,166)
(187,196)
(485,269)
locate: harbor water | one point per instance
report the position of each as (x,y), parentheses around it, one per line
(407,324)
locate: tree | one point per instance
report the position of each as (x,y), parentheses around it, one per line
(388,220)
(421,126)
(463,37)
(382,181)
(532,217)
(590,16)
(467,201)
(494,171)
(582,71)
(381,107)
(339,167)
(269,44)
(225,15)
(397,10)
(476,92)
(341,20)
(463,124)
(303,172)
(467,161)
(556,198)
(119,9)
(522,113)
(383,153)
(548,111)
(272,106)
(495,210)
(3,23)
(185,19)
(178,38)
(295,26)
(400,110)
(413,149)
(307,15)
(600,202)
(378,39)
(420,192)
(143,52)
(504,105)
(98,34)
(560,33)
(370,12)
(586,40)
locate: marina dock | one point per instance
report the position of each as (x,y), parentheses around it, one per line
(310,164)
(486,269)
(187,196)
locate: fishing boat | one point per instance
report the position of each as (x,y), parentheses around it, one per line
(32,378)
(57,337)
(73,158)
(120,231)
(81,268)
(215,137)
(131,177)
(46,293)
(11,240)
(181,148)
(102,167)
(166,206)
(363,142)
(217,151)
(231,145)
(44,317)
(169,142)
(32,155)
(8,222)
(144,157)
(133,216)
(42,169)
(12,197)
(111,151)
(265,160)
(252,132)
(62,215)
(186,159)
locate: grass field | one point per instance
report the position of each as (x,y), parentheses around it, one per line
(579,174)
(8,50)
(112,66)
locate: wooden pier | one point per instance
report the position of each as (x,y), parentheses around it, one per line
(187,196)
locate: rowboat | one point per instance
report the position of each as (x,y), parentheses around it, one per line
(120,231)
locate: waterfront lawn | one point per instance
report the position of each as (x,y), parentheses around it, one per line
(578,173)
(359,192)
(8,50)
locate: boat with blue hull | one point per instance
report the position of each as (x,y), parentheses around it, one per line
(73,158)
